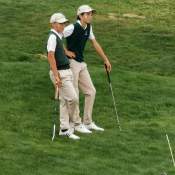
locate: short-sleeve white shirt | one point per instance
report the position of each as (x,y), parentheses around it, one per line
(51,43)
(70,28)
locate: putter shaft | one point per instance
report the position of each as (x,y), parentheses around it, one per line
(115,108)
(54,119)
(113,98)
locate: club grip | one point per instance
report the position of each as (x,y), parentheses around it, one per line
(56,93)
(109,79)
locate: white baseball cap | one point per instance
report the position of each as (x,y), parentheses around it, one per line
(85,9)
(59,18)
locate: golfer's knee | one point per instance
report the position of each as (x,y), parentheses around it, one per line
(92,92)
(74,99)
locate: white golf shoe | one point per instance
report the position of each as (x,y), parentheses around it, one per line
(69,134)
(93,126)
(82,129)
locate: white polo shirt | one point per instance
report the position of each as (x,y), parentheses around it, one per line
(70,28)
(52,41)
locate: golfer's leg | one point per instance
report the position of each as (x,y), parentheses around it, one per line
(64,116)
(70,95)
(75,68)
(87,87)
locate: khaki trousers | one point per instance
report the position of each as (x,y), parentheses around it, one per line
(82,81)
(68,98)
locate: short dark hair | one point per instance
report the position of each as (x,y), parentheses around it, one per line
(78,18)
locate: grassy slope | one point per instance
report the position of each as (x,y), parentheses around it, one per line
(140,50)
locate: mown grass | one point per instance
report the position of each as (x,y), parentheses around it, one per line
(142,55)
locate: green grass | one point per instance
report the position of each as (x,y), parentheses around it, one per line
(142,56)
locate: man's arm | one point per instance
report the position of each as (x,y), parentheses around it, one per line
(52,62)
(101,53)
(69,53)
(51,46)
(66,33)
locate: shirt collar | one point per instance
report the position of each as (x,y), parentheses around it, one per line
(78,21)
(60,35)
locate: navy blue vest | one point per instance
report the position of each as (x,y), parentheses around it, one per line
(61,59)
(77,40)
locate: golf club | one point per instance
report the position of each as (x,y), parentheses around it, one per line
(113,98)
(55,113)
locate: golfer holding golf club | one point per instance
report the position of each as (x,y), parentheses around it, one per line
(61,75)
(76,36)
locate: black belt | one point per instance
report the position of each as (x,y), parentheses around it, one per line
(63,67)
(78,60)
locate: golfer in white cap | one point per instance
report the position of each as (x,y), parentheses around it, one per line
(76,36)
(61,75)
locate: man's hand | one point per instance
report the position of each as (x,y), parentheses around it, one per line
(70,54)
(52,62)
(58,82)
(108,65)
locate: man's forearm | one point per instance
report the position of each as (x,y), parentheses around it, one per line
(100,51)
(52,63)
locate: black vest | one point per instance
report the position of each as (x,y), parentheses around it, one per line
(77,40)
(62,62)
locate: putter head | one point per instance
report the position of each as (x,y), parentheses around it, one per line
(53,132)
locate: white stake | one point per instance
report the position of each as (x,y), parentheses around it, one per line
(170,149)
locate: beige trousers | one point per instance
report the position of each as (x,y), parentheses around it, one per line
(82,81)
(68,98)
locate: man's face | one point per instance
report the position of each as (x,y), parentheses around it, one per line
(87,17)
(59,27)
